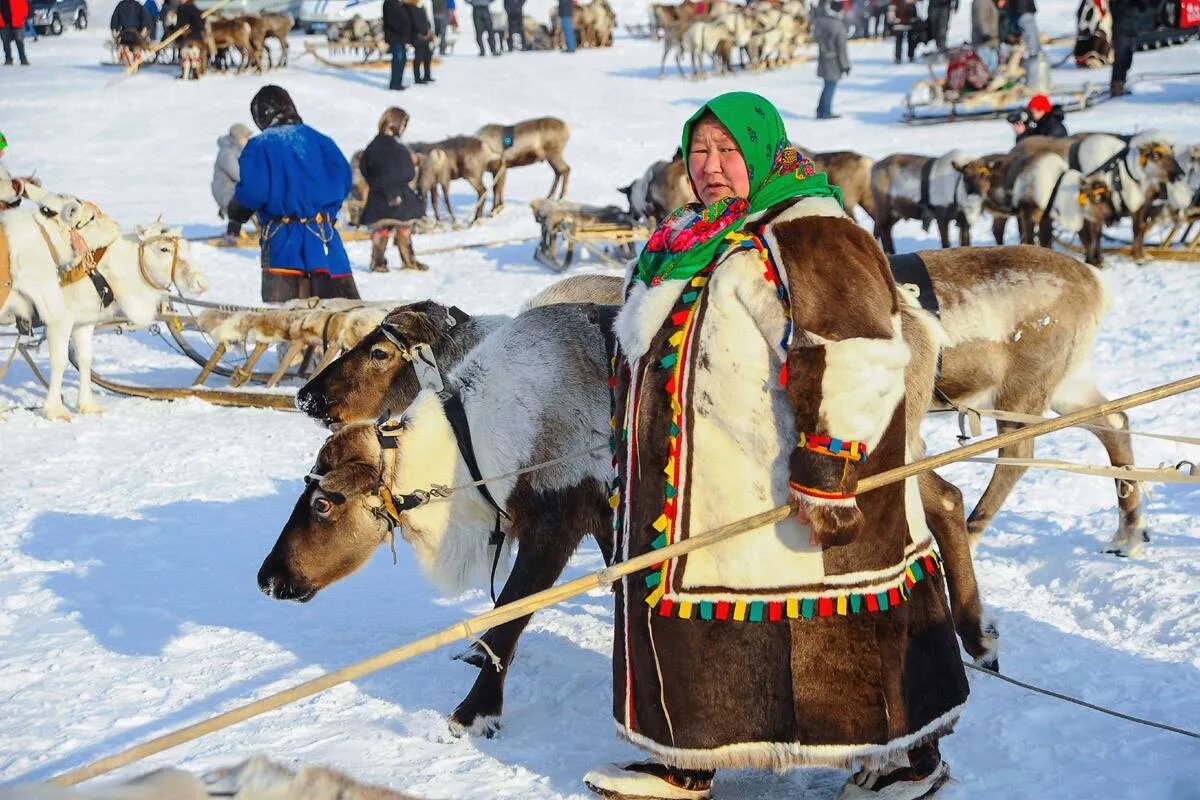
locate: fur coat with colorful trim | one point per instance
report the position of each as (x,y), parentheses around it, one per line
(778,371)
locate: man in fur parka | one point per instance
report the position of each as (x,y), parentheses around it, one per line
(761,362)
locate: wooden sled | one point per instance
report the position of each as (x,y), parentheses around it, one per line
(365,54)
(608,233)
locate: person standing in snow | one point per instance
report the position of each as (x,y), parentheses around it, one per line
(481,18)
(985,32)
(566,18)
(443,11)
(823,640)
(1129,17)
(392,203)
(833,60)
(940,12)
(515,11)
(397,32)
(421,38)
(13,14)
(295,180)
(902,15)
(226,175)
(131,24)
(1022,15)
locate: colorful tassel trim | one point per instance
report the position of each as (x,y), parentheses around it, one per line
(831,446)
(849,604)
(821,495)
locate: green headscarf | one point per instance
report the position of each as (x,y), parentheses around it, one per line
(692,237)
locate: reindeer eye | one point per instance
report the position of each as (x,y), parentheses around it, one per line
(322,505)
(379,354)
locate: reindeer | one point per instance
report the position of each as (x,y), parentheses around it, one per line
(377,376)
(459,157)
(664,17)
(1138,171)
(945,189)
(131,272)
(222,34)
(278,26)
(661,189)
(530,141)
(1046,192)
(851,172)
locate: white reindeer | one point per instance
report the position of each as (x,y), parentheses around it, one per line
(105,271)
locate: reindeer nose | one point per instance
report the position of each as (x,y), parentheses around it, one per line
(312,402)
(278,584)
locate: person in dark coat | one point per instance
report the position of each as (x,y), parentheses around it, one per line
(295,180)
(187,14)
(130,23)
(833,60)
(421,39)
(515,9)
(1022,16)
(1041,119)
(903,17)
(1129,17)
(392,203)
(13,14)
(939,20)
(481,18)
(397,32)
(442,12)
(566,18)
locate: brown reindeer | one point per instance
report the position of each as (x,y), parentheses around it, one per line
(278,26)
(222,34)
(528,142)
(661,189)
(459,157)
(851,172)
(942,189)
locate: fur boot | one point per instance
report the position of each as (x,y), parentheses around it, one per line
(404,244)
(649,780)
(379,243)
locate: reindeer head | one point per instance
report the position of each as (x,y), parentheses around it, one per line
(1151,159)
(1095,199)
(376,376)
(165,258)
(973,188)
(336,523)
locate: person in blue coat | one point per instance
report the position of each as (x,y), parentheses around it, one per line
(295,180)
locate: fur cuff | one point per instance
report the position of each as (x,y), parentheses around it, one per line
(817,471)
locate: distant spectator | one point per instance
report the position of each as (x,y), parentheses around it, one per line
(859,13)
(443,10)
(566,18)
(1022,15)
(392,203)
(1041,118)
(833,60)
(940,12)
(295,179)
(397,32)
(481,18)
(1129,18)
(131,24)
(985,31)
(152,10)
(226,175)
(168,11)
(877,23)
(30,29)
(421,40)
(13,14)
(903,14)
(515,9)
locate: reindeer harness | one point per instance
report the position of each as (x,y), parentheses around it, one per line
(928,214)
(85,264)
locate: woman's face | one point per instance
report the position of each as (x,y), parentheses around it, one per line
(715,163)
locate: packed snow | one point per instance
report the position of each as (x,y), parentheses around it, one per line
(130,540)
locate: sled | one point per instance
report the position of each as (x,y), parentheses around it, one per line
(358,54)
(608,233)
(936,107)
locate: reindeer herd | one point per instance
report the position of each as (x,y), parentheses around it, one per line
(760,35)
(1075,186)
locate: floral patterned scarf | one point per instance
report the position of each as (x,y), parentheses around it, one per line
(692,237)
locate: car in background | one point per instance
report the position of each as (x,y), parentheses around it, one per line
(316,15)
(53,16)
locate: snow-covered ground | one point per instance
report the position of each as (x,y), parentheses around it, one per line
(129,542)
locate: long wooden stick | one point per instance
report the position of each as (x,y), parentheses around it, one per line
(471,628)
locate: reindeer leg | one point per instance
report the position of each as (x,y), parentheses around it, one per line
(999,224)
(1046,231)
(1131,537)
(446,199)
(1003,478)
(1140,225)
(545,548)
(943,224)
(943,505)
(883,232)
(82,336)
(499,180)
(964,231)
(1026,220)
(562,172)
(58,335)
(1090,237)
(480,194)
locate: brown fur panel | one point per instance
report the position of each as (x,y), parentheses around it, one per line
(844,285)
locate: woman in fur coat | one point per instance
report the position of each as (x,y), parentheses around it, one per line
(392,203)
(760,363)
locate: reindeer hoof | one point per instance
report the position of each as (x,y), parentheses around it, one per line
(1129,545)
(91,408)
(474,725)
(56,413)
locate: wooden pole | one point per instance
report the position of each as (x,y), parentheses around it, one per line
(471,628)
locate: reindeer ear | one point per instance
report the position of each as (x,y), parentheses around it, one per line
(350,479)
(141,231)
(626,190)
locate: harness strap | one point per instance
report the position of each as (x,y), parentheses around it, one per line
(103,289)
(926,174)
(1073,156)
(1054,191)
(49,243)
(909,268)
(509,135)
